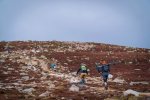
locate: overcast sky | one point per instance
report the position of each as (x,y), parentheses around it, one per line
(121,22)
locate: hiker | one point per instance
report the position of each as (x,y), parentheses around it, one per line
(53,66)
(104,69)
(83,73)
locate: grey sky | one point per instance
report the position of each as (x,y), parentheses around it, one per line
(122,22)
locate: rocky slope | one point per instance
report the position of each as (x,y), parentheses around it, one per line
(25,72)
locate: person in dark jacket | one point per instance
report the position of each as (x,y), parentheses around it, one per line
(53,66)
(104,70)
(83,73)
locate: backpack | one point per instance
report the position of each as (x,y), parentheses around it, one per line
(53,65)
(105,68)
(83,68)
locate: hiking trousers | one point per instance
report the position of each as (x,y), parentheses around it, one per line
(105,76)
(82,76)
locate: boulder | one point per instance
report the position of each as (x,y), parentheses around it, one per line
(74,88)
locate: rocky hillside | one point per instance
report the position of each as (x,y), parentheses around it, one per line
(25,72)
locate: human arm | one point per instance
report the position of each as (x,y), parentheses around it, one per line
(78,70)
(99,69)
(97,66)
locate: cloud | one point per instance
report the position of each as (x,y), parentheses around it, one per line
(114,22)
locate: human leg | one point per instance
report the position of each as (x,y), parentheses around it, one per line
(83,75)
(105,77)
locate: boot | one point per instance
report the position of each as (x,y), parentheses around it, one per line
(105,85)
